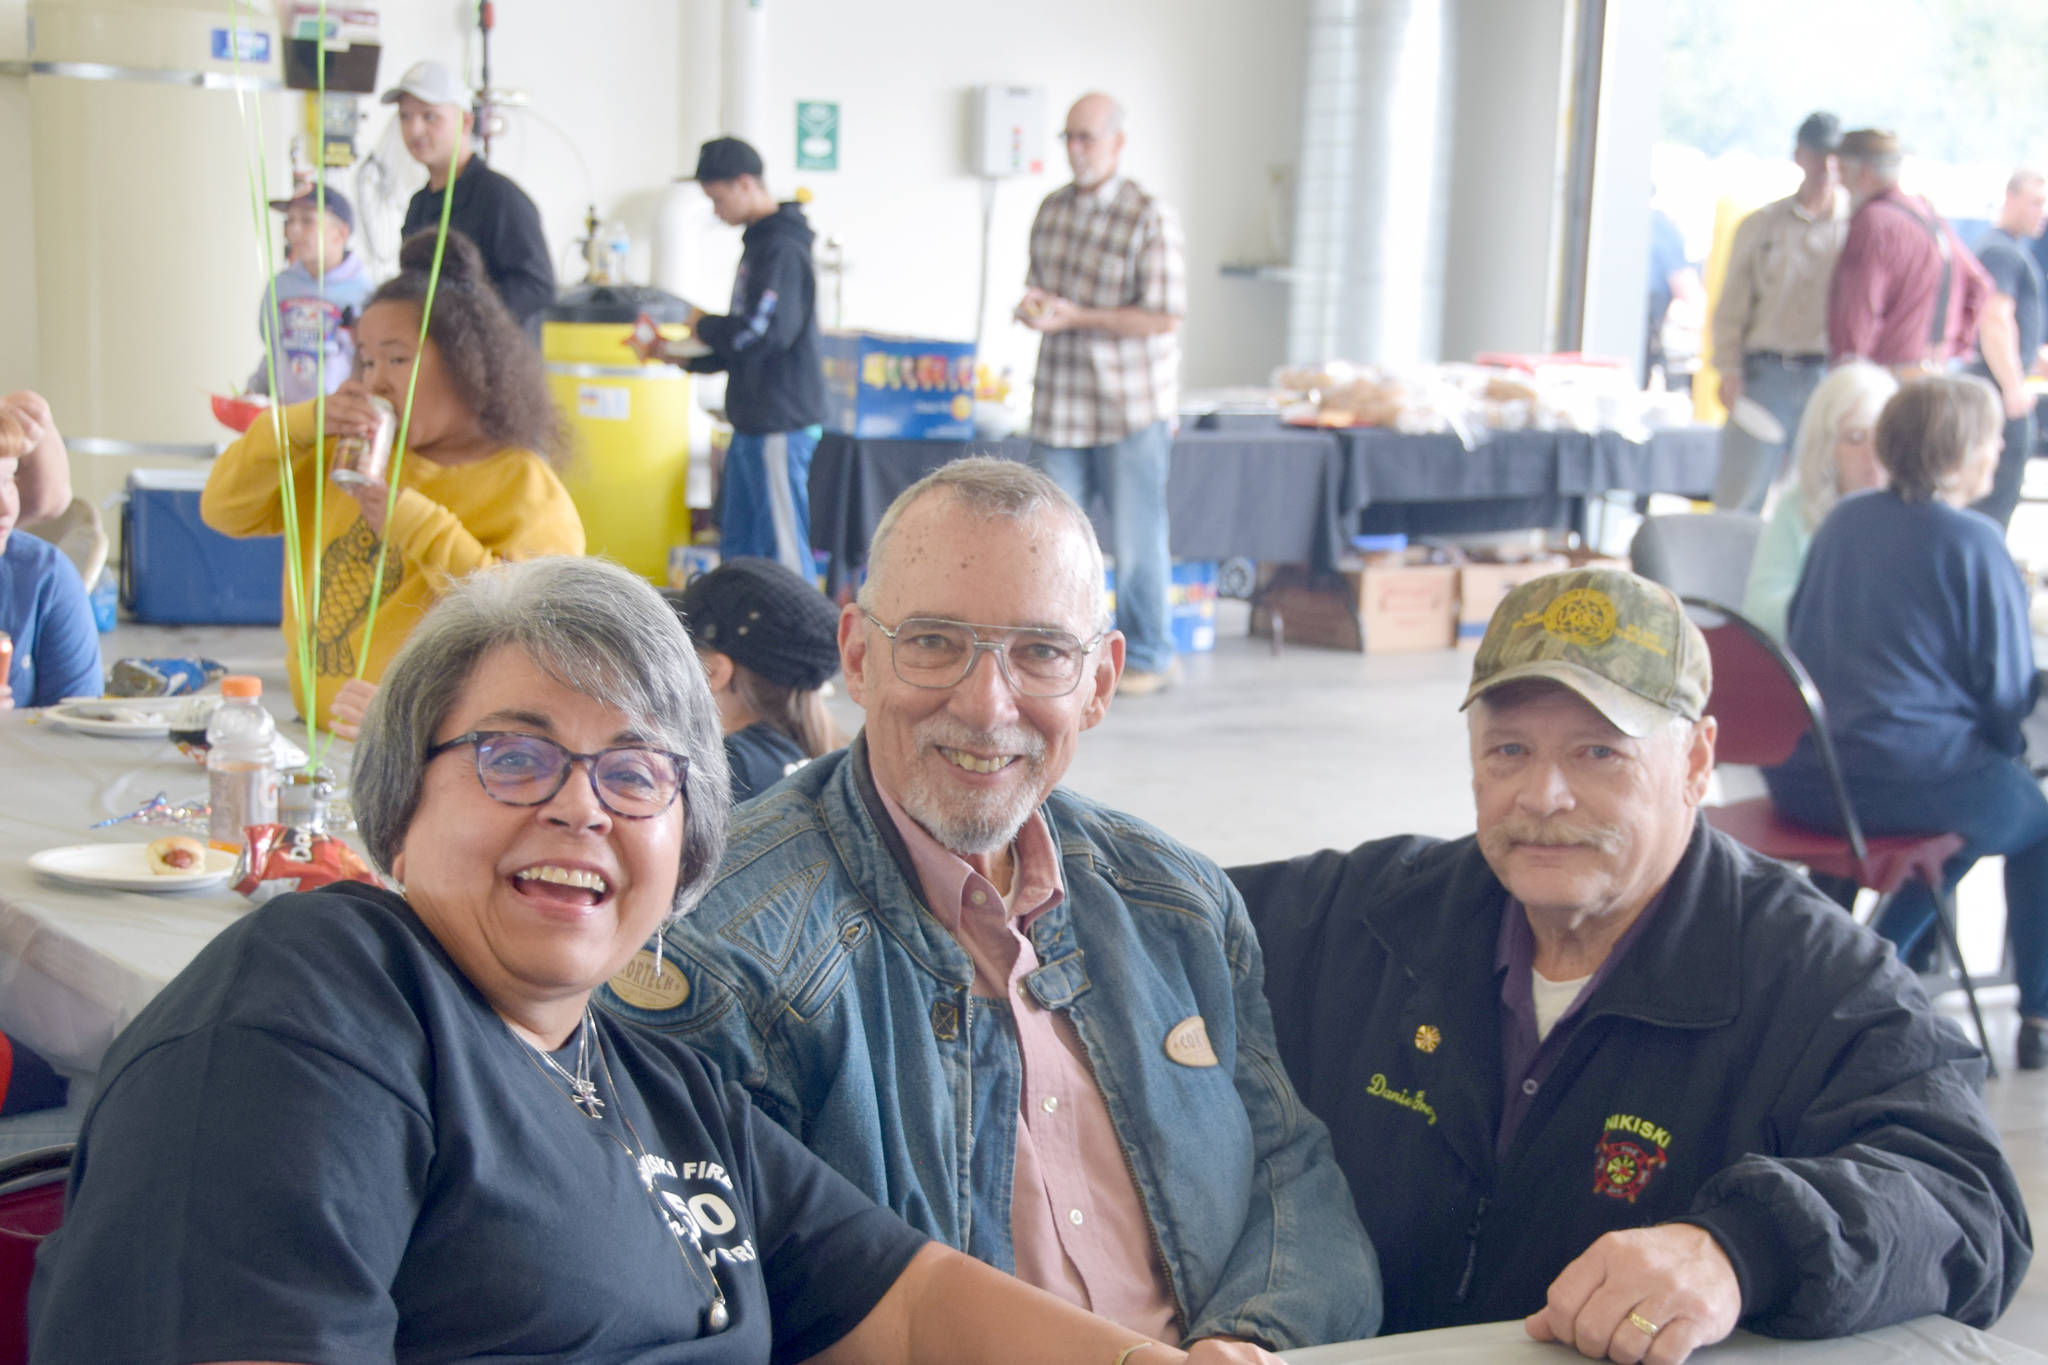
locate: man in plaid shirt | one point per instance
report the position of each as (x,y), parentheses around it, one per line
(1107,288)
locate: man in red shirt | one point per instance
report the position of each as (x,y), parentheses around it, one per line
(1906,293)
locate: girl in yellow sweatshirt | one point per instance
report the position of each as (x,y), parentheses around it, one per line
(474,484)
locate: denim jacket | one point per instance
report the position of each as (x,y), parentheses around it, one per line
(818,977)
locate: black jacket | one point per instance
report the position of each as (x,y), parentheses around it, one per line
(495,213)
(768,344)
(1757,1064)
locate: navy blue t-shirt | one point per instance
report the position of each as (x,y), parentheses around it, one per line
(760,756)
(43,606)
(1913,622)
(2015,273)
(319,1143)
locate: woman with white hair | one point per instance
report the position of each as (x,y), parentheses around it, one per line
(386,1125)
(1834,454)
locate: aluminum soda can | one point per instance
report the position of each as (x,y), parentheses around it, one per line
(361,460)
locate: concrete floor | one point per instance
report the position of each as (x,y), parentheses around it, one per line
(1255,756)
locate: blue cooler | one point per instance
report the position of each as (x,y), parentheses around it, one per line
(178,571)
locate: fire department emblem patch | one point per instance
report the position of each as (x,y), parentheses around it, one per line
(1629,1152)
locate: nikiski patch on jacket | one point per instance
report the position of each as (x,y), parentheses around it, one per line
(1630,1151)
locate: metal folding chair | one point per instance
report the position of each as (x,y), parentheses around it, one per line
(1764,701)
(31,1207)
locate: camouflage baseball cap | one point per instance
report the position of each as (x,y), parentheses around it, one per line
(1618,640)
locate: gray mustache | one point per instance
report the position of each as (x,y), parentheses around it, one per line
(1589,834)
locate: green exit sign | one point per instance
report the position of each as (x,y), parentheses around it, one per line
(817,135)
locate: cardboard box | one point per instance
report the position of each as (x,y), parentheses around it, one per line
(1481,586)
(1376,608)
(900,387)
(176,570)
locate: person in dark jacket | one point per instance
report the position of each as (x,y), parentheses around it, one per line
(768,347)
(1602,1067)
(769,642)
(489,209)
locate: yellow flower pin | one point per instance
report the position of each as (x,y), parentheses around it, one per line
(1427,1038)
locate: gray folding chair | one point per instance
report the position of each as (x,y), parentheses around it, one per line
(1698,554)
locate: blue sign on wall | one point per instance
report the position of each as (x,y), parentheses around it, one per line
(253,45)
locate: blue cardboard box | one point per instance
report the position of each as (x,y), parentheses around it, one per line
(899,387)
(177,570)
(1191,597)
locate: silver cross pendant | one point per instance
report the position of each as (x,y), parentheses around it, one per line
(584,1093)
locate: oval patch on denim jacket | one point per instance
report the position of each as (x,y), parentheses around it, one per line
(648,984)
(1188,1043)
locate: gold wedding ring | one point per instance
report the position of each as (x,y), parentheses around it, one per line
(1643,1325)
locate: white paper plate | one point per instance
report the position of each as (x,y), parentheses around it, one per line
(89,717)
(127,867)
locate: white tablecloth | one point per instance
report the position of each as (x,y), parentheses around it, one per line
(77,964)
(1924,1341)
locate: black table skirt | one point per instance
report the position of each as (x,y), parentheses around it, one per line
(1297,496)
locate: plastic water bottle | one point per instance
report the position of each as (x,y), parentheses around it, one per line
(241,763)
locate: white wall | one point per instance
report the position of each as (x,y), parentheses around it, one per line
(1211,87)
(601,91)
(1500,285)
(1618,255)
(17,222)
(1211,92)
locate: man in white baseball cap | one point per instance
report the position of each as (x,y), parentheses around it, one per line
(435,117)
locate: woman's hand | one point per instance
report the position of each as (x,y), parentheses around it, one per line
(351,704)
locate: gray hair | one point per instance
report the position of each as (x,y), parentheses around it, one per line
(591,626)
(2025,181)
(994,489)
(1856,389)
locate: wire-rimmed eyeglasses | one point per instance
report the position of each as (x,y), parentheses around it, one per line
(634,781)
(932,652)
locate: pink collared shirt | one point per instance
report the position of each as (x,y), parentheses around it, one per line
(1077,1225)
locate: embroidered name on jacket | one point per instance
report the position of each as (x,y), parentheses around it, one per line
(1406,1099)
(1630,1151)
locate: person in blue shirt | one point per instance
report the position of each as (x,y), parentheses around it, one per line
(1912,620)
(43,608)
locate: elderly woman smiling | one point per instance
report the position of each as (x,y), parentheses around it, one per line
(373,1126)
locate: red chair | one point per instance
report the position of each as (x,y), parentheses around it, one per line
(31,1207)
(1764,702)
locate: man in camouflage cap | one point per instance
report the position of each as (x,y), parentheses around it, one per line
(1601,1067)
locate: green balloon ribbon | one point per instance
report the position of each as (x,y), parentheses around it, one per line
(302,586)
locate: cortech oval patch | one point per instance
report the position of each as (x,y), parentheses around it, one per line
(1188,1043)
(641,987)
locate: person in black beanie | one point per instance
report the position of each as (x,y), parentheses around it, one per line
(769,642)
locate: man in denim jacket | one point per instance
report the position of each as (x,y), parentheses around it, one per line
(1032,1026)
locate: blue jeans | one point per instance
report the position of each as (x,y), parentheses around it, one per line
(1749,466)
(1998,810)
(1131,477)
(765,511)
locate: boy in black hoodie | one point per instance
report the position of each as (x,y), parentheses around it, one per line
(768,346)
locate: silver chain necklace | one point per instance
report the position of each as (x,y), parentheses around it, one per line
(582,1090)
(583,1094)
